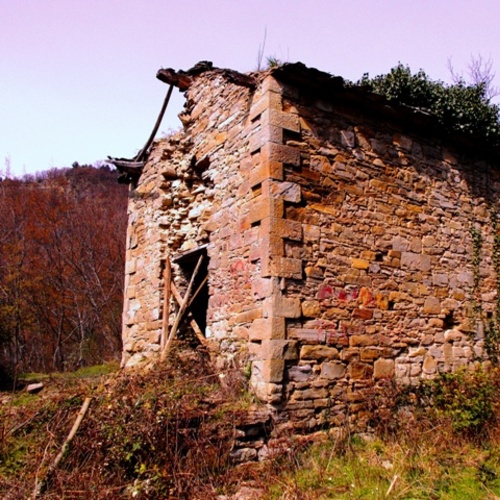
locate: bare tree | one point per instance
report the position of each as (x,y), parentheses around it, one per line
(479,72)
(62,248)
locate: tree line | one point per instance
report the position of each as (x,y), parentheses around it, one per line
(62,251)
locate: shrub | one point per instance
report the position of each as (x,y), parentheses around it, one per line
(458,107)
(390,405)
(466,398)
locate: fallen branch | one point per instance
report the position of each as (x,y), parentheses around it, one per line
(41,484)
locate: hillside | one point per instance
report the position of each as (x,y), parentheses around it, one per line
(62,250)
(164,431)
(170,432)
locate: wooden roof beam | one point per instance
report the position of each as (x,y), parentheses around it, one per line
(178,79)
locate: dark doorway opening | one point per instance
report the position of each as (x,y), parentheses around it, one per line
(187,263)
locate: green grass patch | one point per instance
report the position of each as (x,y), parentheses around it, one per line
(367,471)
(82,373)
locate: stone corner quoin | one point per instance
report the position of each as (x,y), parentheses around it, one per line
(337,240)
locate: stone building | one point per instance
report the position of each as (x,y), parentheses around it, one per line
(345,239)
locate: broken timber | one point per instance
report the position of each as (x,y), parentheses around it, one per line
(180,80)
(183,306)
(194,325)
(41,484)
(131,170)
(167,276)
(145,150)
(183,79)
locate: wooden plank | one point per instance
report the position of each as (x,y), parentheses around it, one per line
(198,290)
(181,311)
(167,279)
(125,165)
(192,322)
(170,76)
(197,330)
(176,294)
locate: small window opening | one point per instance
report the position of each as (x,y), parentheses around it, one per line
(187,262)
(289,135)
(257,189)
(448,321)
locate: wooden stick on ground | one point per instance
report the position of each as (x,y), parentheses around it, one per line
(40,485)
(181,311)
(167,277)
(391,486)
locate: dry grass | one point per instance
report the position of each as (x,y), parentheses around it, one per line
(168,433)
(158,434)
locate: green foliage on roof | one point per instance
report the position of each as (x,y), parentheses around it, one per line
(458,108)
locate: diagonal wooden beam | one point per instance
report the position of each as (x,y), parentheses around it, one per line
(181,311)
(192,322)
(198,290)
(142,153)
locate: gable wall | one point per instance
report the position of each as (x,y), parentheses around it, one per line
(194,190)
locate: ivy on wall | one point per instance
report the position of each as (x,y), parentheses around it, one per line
(492,332)
(491,325)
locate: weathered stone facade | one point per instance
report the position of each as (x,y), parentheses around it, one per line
(348,240)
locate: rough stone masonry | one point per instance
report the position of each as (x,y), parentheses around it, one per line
(348,239)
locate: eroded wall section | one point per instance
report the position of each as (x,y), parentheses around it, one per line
(194,191)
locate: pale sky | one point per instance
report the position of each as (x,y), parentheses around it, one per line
(77,77)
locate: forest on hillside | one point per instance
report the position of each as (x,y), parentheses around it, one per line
(62,251)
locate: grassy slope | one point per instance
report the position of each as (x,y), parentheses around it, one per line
(168,433)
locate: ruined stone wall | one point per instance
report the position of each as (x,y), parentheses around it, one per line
(145,246)
(344,248)
(393,284)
